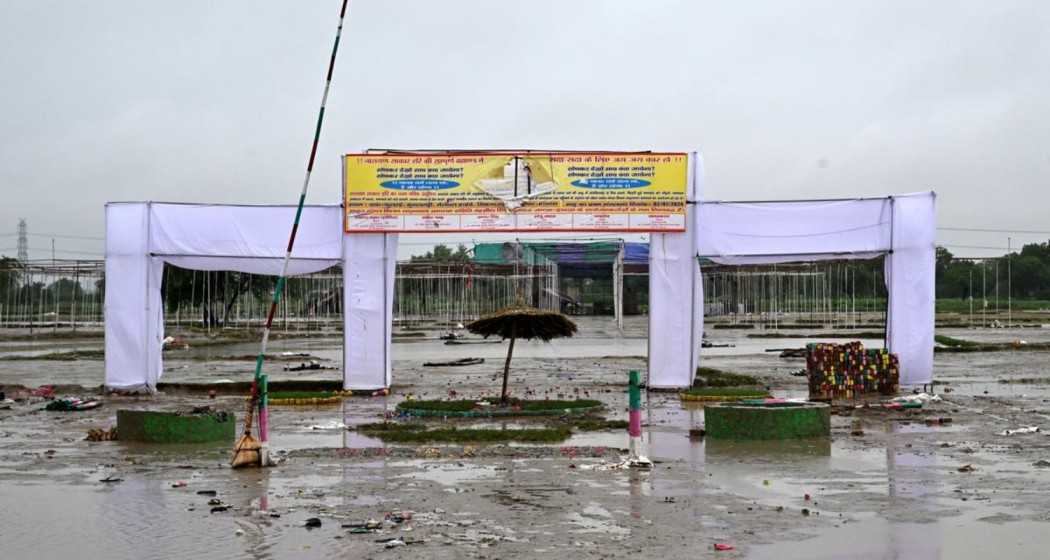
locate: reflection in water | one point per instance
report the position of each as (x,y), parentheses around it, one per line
(637,482)
(908,479)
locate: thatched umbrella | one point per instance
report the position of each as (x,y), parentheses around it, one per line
(522,322)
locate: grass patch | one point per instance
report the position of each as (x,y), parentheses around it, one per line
(949,344)
(738,392)
(416,433)
(962,305)
(60,356)
(952,342)
(711,377)
(467,405)
(851,335)
(1027,381)
(391,427)
(598,424)
(304,394)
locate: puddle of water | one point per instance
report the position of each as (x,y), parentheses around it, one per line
(446,474)
(596,519)
(957,538)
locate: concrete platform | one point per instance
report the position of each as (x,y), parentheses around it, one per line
(173,427)
(787,420)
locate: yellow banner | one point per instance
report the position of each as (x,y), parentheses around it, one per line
(599,191)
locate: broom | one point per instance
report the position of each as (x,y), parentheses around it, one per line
(246,451)
(249,451)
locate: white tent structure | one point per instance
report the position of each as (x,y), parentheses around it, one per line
(142,236)
(740,233)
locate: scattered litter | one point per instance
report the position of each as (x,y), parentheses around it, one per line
(178,484)
(456,363)
(98,434)
(640,463)
(67,404)
(938,421)
(312,523)
(214,502)
(333,425)
(399,517)
(723,546)
(805,512)
(219,509)
(391,543)
(858,428)
(1041,464)
(921,398)
(46,391)
(207,493)
(1027,430)
(239,532)
(307,366)
(697,433)
(111,478)
(966,469)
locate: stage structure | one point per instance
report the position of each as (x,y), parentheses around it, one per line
(391,192)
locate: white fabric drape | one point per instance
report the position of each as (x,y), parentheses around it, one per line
(676,301)
(368,295)
(903,227)
(910,270)
(142,236)
(245,238)
(130,304)
(774,232)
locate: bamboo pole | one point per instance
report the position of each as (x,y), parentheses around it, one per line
(259,381)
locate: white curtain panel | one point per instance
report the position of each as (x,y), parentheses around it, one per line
(128,318)
(368,295)
(676,318)
(246,238)
(911,278)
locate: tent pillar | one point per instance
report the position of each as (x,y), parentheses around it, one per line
(133,316)
(618,287)
(369,262)
(676,302)
(910,276)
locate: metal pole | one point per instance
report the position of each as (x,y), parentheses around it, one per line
(1009,291)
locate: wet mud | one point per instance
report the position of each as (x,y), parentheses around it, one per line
(894,492)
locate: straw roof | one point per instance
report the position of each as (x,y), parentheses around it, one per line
(524,322)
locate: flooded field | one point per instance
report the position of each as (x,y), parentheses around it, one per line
(894,492)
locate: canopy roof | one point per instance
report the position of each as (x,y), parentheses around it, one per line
(599,252)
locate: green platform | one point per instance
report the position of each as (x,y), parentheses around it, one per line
(172,427)
(739,421)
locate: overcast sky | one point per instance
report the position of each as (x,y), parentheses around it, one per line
(215,101)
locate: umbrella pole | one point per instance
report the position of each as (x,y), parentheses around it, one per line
(506,366)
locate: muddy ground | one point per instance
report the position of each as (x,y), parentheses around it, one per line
(893,492)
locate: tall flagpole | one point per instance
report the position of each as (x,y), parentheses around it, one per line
(259,383)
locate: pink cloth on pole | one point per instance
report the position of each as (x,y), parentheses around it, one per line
(635,423)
